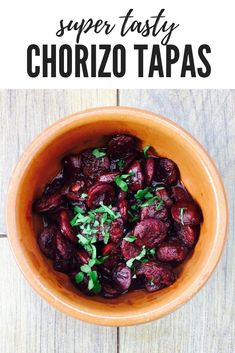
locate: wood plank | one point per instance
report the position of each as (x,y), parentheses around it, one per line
(25,113)
(30,325)
(207,323)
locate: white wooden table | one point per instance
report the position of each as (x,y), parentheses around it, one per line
(204,325)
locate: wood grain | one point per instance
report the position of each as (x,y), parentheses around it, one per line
(207,323)
(25,113)
(30,325)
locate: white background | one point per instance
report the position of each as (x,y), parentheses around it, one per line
(24,22)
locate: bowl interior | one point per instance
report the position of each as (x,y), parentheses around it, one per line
(42,161)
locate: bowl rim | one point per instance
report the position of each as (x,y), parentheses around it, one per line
(151,314)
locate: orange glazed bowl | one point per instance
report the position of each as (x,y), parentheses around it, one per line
(41,162)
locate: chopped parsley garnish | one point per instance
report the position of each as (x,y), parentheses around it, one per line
(159,205)
(130,238)
(84,195)
(145,150)
(143,194)
(148,202)
(120,163)
(143,256)
(182,210)
(86,270)
(79,277)
(98,153)
(92,222)
(133,217)
(119,180)
(129,263)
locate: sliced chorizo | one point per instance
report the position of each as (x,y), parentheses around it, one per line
(65,227)
(116,230)
(188,235)
(72,166)
(100,192)
(149,171)
(156,275)
(122,276)
(47,241)
(172,251)
(120,146)
(186,213)
(136,180)
(167,171)
(107,178)
(92,166)
(150,232)
(129,250)
(48,203)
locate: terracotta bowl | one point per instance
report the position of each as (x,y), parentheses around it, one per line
(41,161)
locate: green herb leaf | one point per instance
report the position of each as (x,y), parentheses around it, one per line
(82,240)
(145,150)
(143,194)
(135,207)
(120,183)
(90,284)
(130,238)
(85,268)
(148,202)
(84,195)
(133,217)
(101,260)
(93,275)
(78,209)
(106,235)
(152,252)
(94,252)
(119,180)
(159,205)
(129,263)
(98,153)
(97,287)
(79,277)
(182,210)
(120,163)
(92,262)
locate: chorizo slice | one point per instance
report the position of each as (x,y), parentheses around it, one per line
(116,230)
(149,171)
(156,275)
(129,250)
(47,241)
(188,235)
(135,181)
(72,166)
(172,251)
(122,276)
(100,192)
(107,178)
(65,227)
(48,203)
(154,211)
(92,166)
(164,195)
(186,213)
(150,232)
(121,145)
(167,171)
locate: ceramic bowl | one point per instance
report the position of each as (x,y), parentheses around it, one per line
(41,161)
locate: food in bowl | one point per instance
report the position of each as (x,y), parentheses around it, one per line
(118,218)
